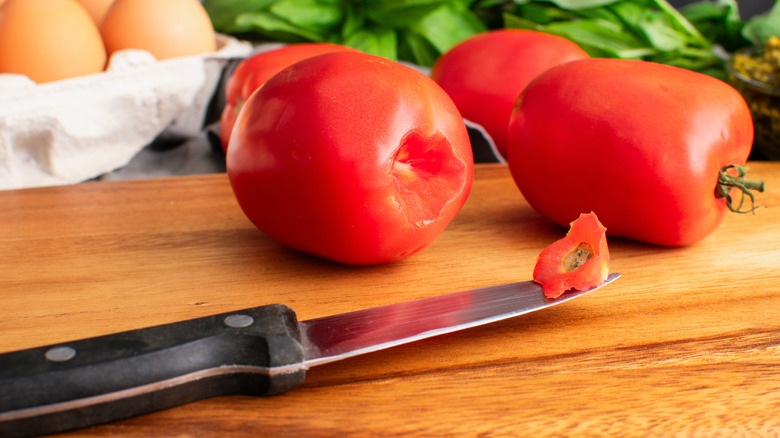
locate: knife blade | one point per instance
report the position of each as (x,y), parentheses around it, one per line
(258,351)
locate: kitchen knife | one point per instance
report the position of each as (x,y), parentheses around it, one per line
(258,351)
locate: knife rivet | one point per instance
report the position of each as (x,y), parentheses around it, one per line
(239,321)
(60,354)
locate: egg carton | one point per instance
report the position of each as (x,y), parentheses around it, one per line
(77,129)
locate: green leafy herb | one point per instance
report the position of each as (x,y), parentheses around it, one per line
(650,30)
(718,21)
(697,37)
(760,28)
(417,31)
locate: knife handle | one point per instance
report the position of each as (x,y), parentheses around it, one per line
(92,381)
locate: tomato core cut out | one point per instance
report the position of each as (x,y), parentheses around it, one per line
(578,261)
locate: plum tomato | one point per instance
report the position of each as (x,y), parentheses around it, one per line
(351,157)
(647,147)
(485,73)
(253,71)
(578,261)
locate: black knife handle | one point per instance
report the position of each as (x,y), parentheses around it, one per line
(92,381)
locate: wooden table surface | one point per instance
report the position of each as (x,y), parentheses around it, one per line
(686,343)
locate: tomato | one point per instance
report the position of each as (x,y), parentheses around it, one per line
(485,73)
(641,144)
(253,71)
(351,157)
(578,261)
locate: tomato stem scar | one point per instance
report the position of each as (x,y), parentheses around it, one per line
(727,182)
(578,257)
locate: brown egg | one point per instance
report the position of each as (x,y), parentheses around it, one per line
(49,40)
(165,28)
(97,9)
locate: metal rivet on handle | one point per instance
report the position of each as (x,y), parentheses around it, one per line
(60,354)
(239,321)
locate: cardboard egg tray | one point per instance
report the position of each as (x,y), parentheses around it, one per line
(76,129)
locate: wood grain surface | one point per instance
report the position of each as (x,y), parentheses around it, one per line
(686,343)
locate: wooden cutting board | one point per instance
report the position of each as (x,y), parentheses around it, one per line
(686,343)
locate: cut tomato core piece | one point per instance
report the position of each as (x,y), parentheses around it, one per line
(578,261)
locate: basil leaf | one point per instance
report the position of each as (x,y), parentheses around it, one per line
(314,15)
(758,29)
(376,40)
(353,21)
(630,14)
(543,14)
(650,30)
(678,21)
(276,28)
(719,22)
(416,48)
(223,13)
(447,26)
(606,39)
(708,11)
(600,38)
(659,34)
(573,5)
(432,26)
(400,13)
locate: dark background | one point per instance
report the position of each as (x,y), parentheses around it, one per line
(747,8)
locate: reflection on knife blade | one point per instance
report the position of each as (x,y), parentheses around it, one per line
(258,351)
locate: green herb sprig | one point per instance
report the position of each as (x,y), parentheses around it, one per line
(650,30)
(698,36)
(418,31)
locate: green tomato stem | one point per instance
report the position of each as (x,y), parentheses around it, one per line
(727,182)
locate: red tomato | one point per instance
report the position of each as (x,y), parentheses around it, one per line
(253,71)
(578,261)
(485,73)
(351,157)
(641,144)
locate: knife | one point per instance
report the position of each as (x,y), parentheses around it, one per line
(257,351)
